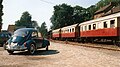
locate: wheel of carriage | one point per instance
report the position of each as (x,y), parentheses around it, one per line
(117,43)
(10,51)
(32,49)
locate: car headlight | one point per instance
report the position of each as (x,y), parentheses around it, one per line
(13,44)
(6,43)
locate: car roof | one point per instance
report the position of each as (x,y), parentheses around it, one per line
(26,29)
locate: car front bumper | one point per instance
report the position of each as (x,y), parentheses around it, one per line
(15,47)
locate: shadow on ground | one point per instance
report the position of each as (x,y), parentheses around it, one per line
(104,43)
(38,52)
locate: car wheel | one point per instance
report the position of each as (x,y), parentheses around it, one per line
(32,49)
(10,51)
(47,48)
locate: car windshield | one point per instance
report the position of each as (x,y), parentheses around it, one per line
(17,39)
(21,33)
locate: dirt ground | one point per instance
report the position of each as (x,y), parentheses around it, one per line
(62,55)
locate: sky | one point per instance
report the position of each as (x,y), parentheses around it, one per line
(40,10)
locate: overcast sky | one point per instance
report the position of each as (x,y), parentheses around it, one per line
(41,10)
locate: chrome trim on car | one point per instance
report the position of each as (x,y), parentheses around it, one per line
(15,47)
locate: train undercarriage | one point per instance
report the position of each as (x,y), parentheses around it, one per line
(112,40)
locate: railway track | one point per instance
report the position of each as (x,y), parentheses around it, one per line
(107,46)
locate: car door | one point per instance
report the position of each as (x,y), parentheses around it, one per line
(37,40)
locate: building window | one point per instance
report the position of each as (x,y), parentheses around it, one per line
(105,24)
(112,23)
(94,26)
(89,27)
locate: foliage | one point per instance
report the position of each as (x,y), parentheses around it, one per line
(92,9)
(80,14)
(43,30)
(62,16)
(1,12)
(65,15)
(25,21)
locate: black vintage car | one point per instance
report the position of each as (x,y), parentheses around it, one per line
(26,39)
(4,36)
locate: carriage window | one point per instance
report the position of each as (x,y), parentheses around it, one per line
(72,29)
(85,28)
(105,24)
(98,25)
(112,23)
(68,30)
(89,27)
(94,26)
(81,28)
(62,31)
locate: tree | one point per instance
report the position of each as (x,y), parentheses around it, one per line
(91,10)
(80,14)
(65,15)
(62,16)
(35,24)
(25,21)
(1,13)
(43,30)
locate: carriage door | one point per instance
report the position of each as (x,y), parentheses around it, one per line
(77,31)
(60,34)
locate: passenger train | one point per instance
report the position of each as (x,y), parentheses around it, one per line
(106,28)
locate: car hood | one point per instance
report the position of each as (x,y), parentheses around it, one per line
(17,39)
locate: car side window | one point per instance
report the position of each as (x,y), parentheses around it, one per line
(34,34)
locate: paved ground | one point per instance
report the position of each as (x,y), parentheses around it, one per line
(62,55)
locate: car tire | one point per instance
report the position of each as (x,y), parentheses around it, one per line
(32,49)
(10,51)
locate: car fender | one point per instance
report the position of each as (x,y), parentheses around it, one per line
(45,43)
(29,42)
